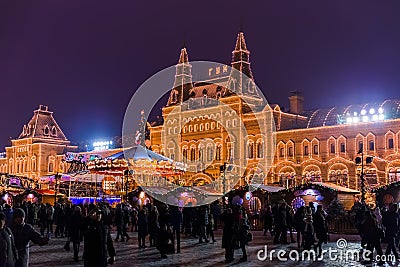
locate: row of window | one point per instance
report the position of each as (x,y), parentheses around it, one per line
(21,166)
(332,148)
(203,127)
(200,156)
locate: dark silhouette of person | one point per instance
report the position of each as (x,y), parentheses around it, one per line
(98,248)
(75,232)
(8,251)
(23,234)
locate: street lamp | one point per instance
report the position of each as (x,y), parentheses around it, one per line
(56,177)
(125,185)
(360,160)
(223,169)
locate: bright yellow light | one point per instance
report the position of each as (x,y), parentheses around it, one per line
(142,195)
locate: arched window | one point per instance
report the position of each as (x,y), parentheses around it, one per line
(201,154)
(53,131)
(51,167)
(218,153)
(185,155)
(192,153)
(46,130)
(260,150)
(210,153)
(250,150)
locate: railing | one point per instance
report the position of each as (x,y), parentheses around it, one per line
(341,225)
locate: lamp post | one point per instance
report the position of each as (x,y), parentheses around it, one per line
(125,185)
(222,169)
(56,177)
(360,160)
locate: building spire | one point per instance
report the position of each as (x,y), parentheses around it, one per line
(241,56)
(183,58)
(241,79)
(183,80)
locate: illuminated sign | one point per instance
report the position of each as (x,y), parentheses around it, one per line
(103,145)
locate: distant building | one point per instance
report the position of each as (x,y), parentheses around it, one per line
(39,149)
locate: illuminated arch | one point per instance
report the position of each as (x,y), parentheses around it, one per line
(393,171)
(311,173)
(338,173)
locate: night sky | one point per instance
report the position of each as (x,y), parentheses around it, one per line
(85,59)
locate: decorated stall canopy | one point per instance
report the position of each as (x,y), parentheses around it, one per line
(319,193)
(137,159)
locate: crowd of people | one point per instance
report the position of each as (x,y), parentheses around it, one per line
(92,224)
(308,222)
(163,225)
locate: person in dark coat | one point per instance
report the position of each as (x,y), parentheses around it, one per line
(243,237)
(308,231)
(281,225)
(8,251)
(321,228)
(390,220)
(154,226)
(23,234)
(299,224)
(289,222)
(59,219)
(75,231)
(176,223)
(163,238)
(119,222)
(98,250)
(372,235)
(228,242)
(268,220)
(143,229)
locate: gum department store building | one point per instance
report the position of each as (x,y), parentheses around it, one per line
(311,145)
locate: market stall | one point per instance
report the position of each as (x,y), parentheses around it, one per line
(319,193)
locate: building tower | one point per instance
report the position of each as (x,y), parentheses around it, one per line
(183,80)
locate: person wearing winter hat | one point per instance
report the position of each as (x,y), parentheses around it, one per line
(23,234)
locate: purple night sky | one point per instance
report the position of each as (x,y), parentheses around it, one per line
(85,59)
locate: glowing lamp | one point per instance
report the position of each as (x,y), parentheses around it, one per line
(375,117)
(371,111)
(380,110)
(349,120)
(142,195)
(30,196)
(355,114)
(381,117)
(363,112)
(356,119)
(248,196)
(365,118)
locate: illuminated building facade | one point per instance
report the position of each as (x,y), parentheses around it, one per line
(39,149)
(316,145)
